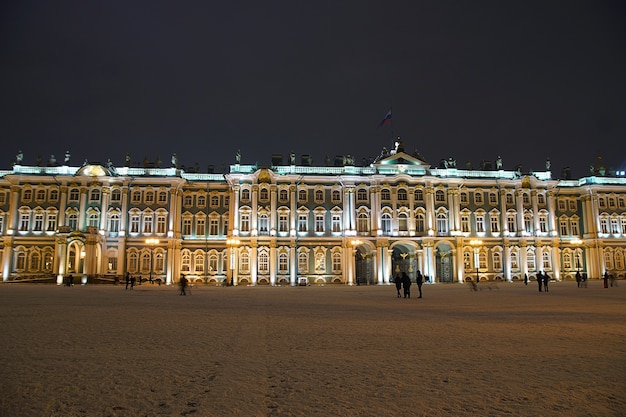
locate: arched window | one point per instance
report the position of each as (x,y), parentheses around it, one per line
(403,222)
(402,196)
(245,194)
(362,223)
(94,195)
(386,223)
(264,263)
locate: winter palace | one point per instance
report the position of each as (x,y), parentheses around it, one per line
(296,224)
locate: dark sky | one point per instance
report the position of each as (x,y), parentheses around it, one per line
(466,79)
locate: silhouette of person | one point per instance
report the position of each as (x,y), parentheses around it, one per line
(419,280)
(183,285)
(539,280)
(546,280)
(578,278)
(70,280)
(398,281)
(127,279)
(406,285)
(525,279)
(132,282)
(605,277)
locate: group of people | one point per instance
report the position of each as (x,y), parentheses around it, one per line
(543,279)
(130,281)
(403,282)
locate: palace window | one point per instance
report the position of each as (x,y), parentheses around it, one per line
(494,223)
(403,222)
(160,224)
(200,226)
(362,223)
(336,223)
(283,263)
(114,223)
(442,224)
(38,222)
(149,197)
(245,222)
(264,195)
(283,196)
(52,222)
(134,224)
(186,230)
(54,195)
(402,196)
(386,223)
(264,263)
(283,222)
(245,195)
(302,222)
(74,194)
(24,222)
(361,194)
(420,223)
(214,226)
(303,263)
(419,194)
(116,195)
(263,224)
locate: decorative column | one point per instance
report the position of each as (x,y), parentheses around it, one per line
(293,263)
(7,257)
(273,262)
(82,214)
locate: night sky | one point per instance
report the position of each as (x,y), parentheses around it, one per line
(469,80)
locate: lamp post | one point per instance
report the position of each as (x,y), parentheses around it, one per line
(476,244)
(232,243)
(151,242)
(354,244)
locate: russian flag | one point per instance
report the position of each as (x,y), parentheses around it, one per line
(386,120)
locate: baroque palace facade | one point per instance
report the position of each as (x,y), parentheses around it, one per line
(291,224)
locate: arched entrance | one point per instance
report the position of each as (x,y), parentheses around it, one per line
(443,263)
(404,259)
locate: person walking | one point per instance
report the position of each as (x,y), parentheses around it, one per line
(127,279)
(546,280)
(398,281)
(132,282)
(419,280)
(406,284)
(578,278)
(525,279)
(539,280)
(605,277)
(183,285)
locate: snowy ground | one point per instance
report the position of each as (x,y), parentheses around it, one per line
(101,350)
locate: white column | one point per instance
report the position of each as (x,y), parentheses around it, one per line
(254,215)
(293,267)
(82,216)
(535,206)
(7,256)
(273,262)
